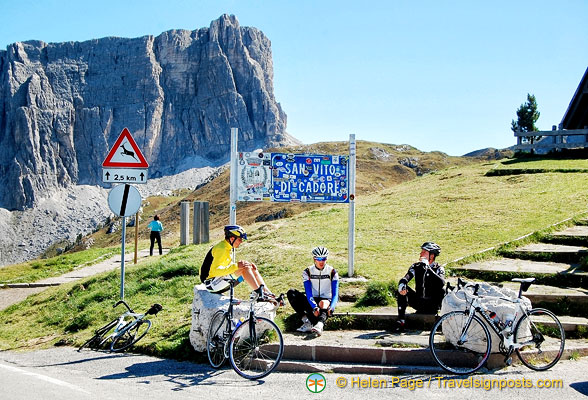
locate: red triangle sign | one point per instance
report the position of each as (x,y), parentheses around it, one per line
(125,153)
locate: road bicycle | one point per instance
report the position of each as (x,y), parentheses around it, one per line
(460,341)
(253,346)
(122,333)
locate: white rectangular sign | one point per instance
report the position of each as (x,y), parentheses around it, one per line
(124,175)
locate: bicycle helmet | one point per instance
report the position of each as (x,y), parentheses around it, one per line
(432,248)
(320,251)
(235,231)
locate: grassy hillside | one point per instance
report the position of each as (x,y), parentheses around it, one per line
(379,166)
(459,207)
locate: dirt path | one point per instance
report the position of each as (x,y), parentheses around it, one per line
(13,295)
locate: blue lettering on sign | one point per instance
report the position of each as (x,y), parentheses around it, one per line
(309,178)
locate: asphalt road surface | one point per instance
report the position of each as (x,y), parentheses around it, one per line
(64,373)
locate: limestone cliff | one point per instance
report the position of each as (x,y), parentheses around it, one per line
(62,105)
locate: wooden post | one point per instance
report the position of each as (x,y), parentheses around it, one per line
(136,235)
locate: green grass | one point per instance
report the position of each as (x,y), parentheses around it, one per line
(460,208)
(35,270)
(534,165)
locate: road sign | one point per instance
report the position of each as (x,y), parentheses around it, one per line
(255,177)
(124,175)
(310,178)
(124,200)
(125,153)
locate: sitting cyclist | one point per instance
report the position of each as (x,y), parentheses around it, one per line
(429,282)
(219,264)
(321,286)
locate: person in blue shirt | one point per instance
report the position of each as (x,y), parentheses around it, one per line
(321,287)
(156,228)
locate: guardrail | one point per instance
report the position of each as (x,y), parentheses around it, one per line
(560,139)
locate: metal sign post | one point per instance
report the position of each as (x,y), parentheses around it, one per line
(351,241)
(233,177)
(122,258)
(125,164)
(124,201)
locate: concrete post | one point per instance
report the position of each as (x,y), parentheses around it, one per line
(200,222)
(204,221)
(184,224)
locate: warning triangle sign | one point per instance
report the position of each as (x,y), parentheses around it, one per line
(125,153)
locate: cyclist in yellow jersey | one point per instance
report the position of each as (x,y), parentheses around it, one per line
(220,263)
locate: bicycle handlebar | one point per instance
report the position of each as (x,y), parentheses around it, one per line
(125,304)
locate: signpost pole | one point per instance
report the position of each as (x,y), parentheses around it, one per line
(351,242)
(122,259)
(233,177)
(136,235)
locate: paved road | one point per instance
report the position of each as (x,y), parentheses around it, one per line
(65,374)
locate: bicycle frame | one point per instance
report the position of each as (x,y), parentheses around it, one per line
(122,324)
(506,335)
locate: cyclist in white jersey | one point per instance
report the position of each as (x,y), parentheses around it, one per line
(321,287)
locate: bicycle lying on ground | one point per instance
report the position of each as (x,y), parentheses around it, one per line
(254,346)
(460,342)
(122,333)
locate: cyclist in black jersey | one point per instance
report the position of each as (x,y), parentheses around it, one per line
(429,282)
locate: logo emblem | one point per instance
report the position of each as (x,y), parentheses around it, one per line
(316,383)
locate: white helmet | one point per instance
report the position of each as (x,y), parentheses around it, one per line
(320,251)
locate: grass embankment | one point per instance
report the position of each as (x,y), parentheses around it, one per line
(460,208)
(35,270)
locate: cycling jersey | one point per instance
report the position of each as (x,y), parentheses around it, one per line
(218,261)
(321,283)
(428,281)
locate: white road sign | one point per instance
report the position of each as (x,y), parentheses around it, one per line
(124,175)
(124,200)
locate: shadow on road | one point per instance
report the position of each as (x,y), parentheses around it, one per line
(181,374)
(581,387)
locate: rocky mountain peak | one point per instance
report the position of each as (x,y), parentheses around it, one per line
(62,105)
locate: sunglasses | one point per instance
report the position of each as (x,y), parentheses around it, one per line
(321,258)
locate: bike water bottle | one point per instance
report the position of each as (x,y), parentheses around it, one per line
(238,322)
(509,320)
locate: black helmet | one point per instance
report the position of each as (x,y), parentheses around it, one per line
(235,231)
(432,248)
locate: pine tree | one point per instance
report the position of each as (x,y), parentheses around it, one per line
(527,115)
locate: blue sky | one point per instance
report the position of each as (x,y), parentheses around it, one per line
(438,75)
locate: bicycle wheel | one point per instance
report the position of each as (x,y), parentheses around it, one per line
(459,349)
(216,339)
(543,337)
(96,341)
(256,348)
(130,334)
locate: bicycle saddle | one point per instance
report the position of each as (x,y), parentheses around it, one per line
(155,308)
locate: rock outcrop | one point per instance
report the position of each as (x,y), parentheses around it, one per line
(62,105)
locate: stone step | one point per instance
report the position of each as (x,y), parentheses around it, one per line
(546,272)
(419,323)
(551,294)
(575,235)
(549,252)
(366,352)
(577,231)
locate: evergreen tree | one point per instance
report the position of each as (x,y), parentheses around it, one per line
(527,115)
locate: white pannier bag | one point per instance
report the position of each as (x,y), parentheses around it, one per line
(492,298)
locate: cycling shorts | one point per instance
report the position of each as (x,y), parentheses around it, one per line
(220,284)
